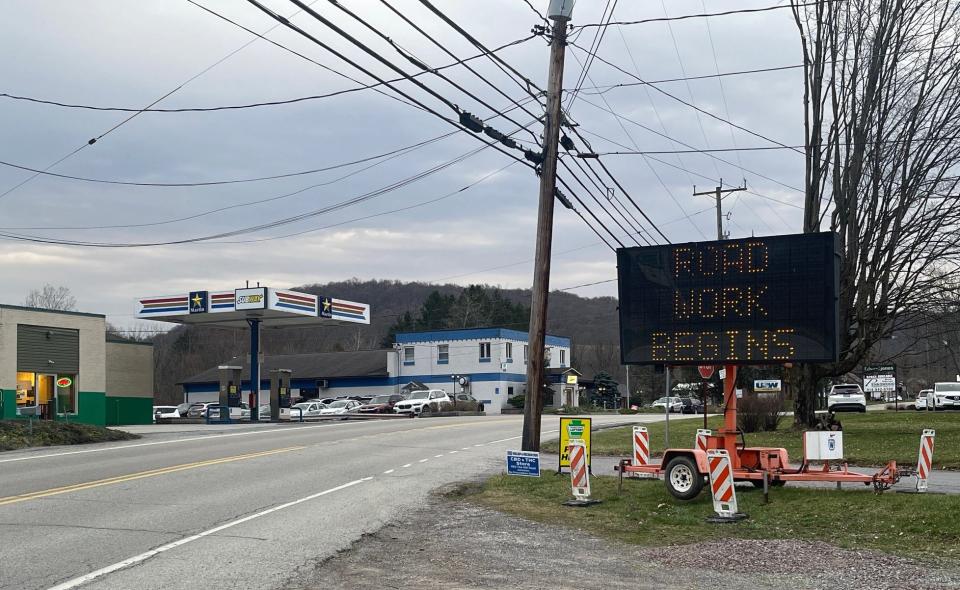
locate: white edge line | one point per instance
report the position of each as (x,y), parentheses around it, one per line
(173,545)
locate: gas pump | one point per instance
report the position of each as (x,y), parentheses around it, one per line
(279,392)
(230,379)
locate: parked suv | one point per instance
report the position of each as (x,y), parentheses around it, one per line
(846,398)
(946,396)
(381,404)
(432,399)
(691,405)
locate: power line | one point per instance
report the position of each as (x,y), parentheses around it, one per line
(702,15)
(135,114)
(404,149)
(271,103)
(689,104)
(607,87)
(594,47)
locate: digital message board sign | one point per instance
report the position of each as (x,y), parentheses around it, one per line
(749,301)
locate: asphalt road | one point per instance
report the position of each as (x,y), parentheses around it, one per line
(221,507)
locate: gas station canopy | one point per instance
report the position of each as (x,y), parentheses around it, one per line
(271,308)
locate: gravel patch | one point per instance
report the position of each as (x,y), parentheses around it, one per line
(452,544)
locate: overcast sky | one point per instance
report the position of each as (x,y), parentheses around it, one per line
(128,54)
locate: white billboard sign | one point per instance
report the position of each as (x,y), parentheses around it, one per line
(253,298)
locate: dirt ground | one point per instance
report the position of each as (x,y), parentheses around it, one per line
(454,544)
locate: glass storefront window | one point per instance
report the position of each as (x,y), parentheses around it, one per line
(26,389)
(67,394)
(41,389)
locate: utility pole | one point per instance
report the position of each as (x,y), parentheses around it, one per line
(718,193)
(559,12)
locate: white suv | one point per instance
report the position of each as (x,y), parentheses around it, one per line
(436,399)
(846,398)
(946,396)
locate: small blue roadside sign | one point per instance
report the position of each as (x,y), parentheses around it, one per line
(525,463)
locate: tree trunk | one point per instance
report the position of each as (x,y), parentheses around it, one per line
(803,380)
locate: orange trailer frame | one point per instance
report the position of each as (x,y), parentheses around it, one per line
(754,463)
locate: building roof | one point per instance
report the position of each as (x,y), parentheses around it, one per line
(474,334)
(317,365)
(42,310)
(562,371)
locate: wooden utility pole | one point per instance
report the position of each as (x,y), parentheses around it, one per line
(718,193)
(559,12)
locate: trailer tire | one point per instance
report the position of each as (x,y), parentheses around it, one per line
(683,479)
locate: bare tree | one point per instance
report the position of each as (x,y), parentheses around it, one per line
(50,297)
(882,123)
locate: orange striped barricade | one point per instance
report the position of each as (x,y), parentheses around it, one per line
(721,487)
(641,446)
(579,475)
(701,441)
(925,460)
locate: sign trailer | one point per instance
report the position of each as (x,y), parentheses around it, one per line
(766,300)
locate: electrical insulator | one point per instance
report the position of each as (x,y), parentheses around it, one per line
(562,198)
(471,122)
(535,157)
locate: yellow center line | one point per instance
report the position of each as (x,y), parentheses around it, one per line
(139,475)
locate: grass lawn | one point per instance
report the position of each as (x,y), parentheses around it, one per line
(921,526)
(872,438)
(16,434)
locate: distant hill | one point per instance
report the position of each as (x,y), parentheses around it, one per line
(591,323)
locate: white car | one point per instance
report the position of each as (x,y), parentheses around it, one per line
(922,398)
(165,413)
(309,409)
(675,404)
(435,399)
(847,397)
(342,406)
(946,396)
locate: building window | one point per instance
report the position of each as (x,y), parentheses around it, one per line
(563,358)
(408,357)
(443,354)
(509,352)
(509,391)
(47,393)
(484,352)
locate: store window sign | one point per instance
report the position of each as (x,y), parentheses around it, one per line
(64,382)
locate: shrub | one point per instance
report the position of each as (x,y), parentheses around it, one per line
(758,413)
(517,401)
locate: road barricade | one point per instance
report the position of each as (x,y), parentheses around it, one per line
(925,460)
(721,487)
(701,441)
(641,446)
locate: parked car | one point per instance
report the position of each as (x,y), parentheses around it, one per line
(200,410)
(922,398)
(691,405)
(673,402)
(182,409)
(381,404)
(847,397)
(433,399)
(341,406)
(946,396)
(469,400)
(310,409)
(165,413)
(325,401)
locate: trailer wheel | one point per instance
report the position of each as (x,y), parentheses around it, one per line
(684,481)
